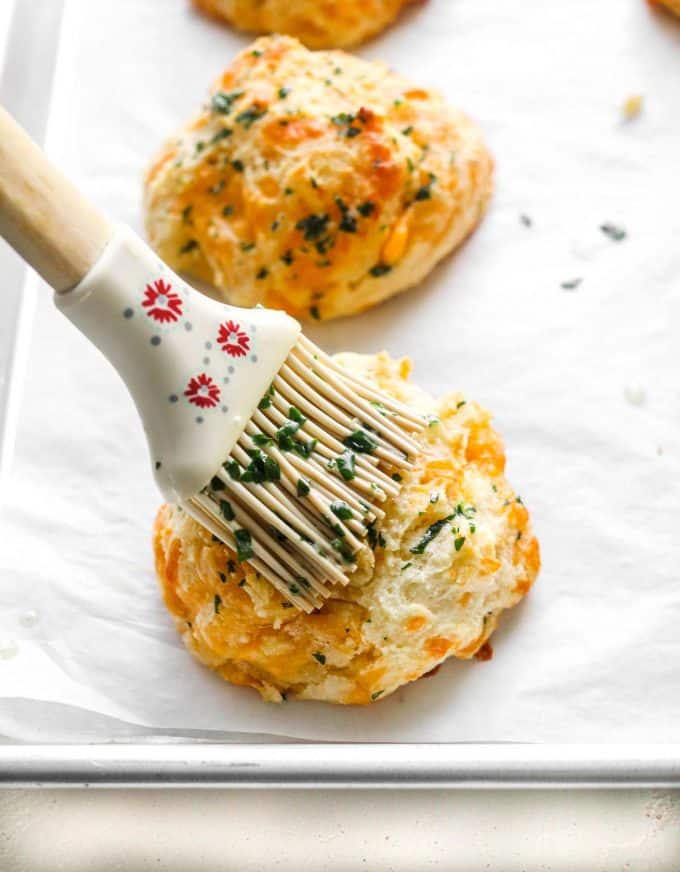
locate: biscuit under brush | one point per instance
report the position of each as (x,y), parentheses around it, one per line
(273,447)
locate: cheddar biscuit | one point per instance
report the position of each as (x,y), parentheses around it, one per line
(454,550)
(316,23)
(315,182)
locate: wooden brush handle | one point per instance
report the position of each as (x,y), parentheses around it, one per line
(42,215)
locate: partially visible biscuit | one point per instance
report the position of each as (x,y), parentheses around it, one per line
(455,550)
(671,5)
(316,23)
(316,182)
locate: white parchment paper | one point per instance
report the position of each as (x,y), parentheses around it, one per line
(594,652)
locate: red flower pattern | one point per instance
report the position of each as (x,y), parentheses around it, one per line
(233,340)
(161,302)
(202,391)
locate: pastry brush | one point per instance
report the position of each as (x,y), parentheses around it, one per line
(277,450)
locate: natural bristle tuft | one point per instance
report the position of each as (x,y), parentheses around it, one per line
(301,490)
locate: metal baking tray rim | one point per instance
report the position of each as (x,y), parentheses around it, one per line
(313,765)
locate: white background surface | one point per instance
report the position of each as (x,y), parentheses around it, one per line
(182,831)
(593,652)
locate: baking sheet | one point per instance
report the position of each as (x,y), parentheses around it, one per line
(86,648)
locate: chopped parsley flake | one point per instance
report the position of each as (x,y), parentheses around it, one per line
(283,93)
(571,284)
(217,602)
(425,191)
(191,245)
(216,483)
(224,133)
(380,269)
(226,510)
(366,209)
(266,400)
(222,102)
(341,510)
(314,312)
(345,463)
(263,272)
(237,165)
(320,657)
(431,533)
(244,547)
(303,487)
(313,227)
(459,542)
(186,213)
(287,257)
(261,468)
(360,442)
(613,231)
(375,695)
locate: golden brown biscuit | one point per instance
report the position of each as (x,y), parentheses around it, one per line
(672,5)
(316,23)
(315,182)
(455,550)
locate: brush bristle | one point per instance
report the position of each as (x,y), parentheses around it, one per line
(300,493)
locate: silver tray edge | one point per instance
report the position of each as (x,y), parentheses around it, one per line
(490,766)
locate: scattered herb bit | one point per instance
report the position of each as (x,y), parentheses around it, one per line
(287,191)
(216,483)
(459,542)
(223,577)
(191,245)
(380,269)
(343,550)
(242,582)
(226,510)
(227,211)
(199,147)
(313,226)
(296,415)
(262,273)
(256,53)
(345,463)
(434,498)
(518,499)
(222,102)
(360,442)
(224,133)
(375,695)
(217,188)
(266,400)
(303,487)
(286,606)
(366,209)
(348,223)
(287,257)
(613,231)
(432,420)
(261,468)
(215,539)
(186,213)
(519,535)
(407,131)
(467,512)
(314,312)
(396,476)
(246,246)
(283,93)
(341,510)
(244,547)
(237,165)
(344,120)
(571,285)
(217,602)
(262,439)
(431,533)
(233,469)
(231,566)
(406,566)
(320,657)
(461,403)
(425,191)
(526,220)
